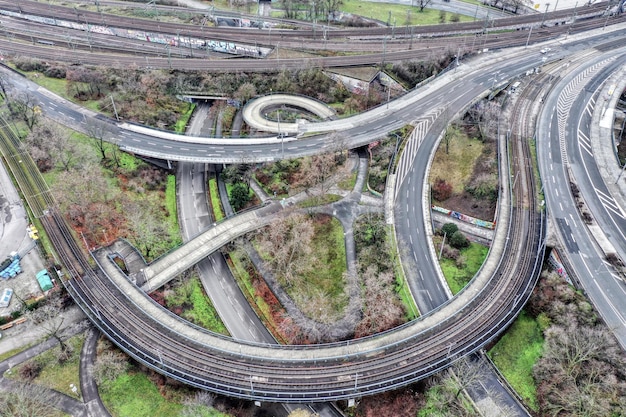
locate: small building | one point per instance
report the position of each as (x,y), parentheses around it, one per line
(44,280)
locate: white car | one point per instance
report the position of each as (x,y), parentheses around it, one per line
(545,50)
(5,299)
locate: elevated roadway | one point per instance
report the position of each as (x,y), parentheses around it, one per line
(342,370)
(565,156)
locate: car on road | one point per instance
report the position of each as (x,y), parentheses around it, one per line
(545,50)
(5,299)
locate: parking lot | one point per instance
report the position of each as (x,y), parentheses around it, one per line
(14,238)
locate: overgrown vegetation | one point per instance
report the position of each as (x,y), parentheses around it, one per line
(382,308)
(464,173)
(516,353)
(307,256)
(186,297)
(54,368)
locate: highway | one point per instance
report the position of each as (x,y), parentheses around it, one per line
(345,370)
(448,351)
(564,152)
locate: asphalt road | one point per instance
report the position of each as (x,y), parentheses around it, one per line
(560,139)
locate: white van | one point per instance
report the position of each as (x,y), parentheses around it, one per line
(5,299)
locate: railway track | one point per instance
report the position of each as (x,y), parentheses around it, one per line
(394,42)
(300,373)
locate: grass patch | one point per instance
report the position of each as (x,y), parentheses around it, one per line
(458,277)
(397,14)
(516,353)
(10,353)
(402,289)
(532,144)
(170,204)
(55,375)
(202,311)
(133,394)
(181,123)
(236,261)
(456,166)
(59,87)
(349,182)
(329,249)
(319,200)
(216,204)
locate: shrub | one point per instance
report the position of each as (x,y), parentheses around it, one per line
(30,370)
(458,240)
(442,190)
(449,229)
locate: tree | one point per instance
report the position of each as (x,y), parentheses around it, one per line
(245,92)
(485,115)
(199,405)
(316,172)
(27,400)
(287,241)
(110,363)
(422,4)
(49,317)
(449,229)
(458,240)
(239,196)
(24,106)
(149,232)
(381,310)
(100,133)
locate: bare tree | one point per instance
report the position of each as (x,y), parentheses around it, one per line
(148,233)
(316,172)
(381,311)
(110,363)
(422,4)
(24,106)
(288,243)
(198,404)
(485,115)
(27,400)
(49,317)
(99,132)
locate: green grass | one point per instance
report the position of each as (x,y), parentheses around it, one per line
(399,14)
(55,375)
(319,200)
(456,166)
(532,144)
(10,353)
(330,252)
(59,87)
(133,394)
(458,278)
(402,289)
(181,123)
(349,182)
(202,312)
(170,204)
(516,353)
(216,204)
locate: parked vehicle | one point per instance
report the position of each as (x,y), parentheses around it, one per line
(5,298)
(10,267)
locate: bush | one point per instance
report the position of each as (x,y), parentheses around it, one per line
(449,229)
(30,370)
(458,240)
(442,190)
(239,196)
